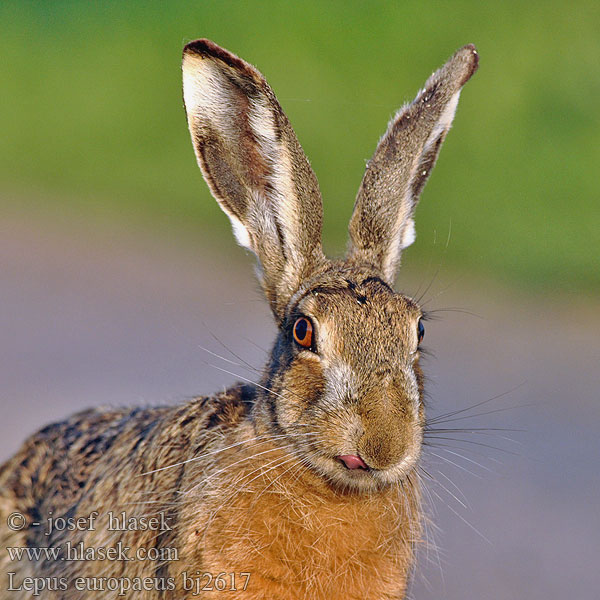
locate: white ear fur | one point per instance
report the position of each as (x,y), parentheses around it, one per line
(240,232)
(409,234)
(445,121)
(201,88)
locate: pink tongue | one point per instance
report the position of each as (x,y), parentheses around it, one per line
(352,461)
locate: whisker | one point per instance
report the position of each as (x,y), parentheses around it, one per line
(436,437)
(474,462)
(455,464)
(254,439)
(237,462)
(454,309)
(262,387)
(444,290)
(223,345)
(430,260)
(476,430)
(269,390)
(482,414)
(463,519)
(184,462)
(441,446)
(459,491)
(483,402)
(439,266)
(463,504)
(251,341)
(231,362)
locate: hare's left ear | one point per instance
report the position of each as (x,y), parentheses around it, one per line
(382,223)
(255,168)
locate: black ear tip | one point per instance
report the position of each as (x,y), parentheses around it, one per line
(470,57)
(207,49)
(202,47)
(472,53)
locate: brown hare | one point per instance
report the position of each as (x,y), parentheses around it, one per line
(302,485)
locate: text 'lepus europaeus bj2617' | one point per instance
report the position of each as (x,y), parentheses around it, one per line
(302,485)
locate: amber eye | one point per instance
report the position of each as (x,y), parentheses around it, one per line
(420,331)
(303,332)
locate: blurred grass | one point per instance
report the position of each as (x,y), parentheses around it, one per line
(91,115)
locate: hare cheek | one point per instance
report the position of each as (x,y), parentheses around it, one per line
(413,386)
(303,385)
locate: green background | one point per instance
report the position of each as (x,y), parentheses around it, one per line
(92,123)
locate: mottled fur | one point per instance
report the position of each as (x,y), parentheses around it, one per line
(250,480)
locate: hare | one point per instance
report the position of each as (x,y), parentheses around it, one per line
(304,484)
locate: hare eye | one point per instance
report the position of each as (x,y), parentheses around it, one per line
(420,331)
(303,332)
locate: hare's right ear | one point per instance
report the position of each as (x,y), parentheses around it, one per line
(382,222)
(254,166)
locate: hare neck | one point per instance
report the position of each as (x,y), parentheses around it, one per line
(296,535)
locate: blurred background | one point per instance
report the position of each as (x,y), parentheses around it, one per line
(119,275)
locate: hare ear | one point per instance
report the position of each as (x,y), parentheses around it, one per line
(254,165)
(382,222)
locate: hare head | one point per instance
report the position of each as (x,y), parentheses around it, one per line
(343,378)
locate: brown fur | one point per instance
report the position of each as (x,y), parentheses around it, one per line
(250,480)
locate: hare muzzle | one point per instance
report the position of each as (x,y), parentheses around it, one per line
(391,437)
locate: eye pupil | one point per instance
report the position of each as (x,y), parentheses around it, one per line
(420,331)
(301,329)
(303,332)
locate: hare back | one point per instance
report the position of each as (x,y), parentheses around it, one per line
(107,462)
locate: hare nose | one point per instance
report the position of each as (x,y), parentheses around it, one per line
(352,461)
